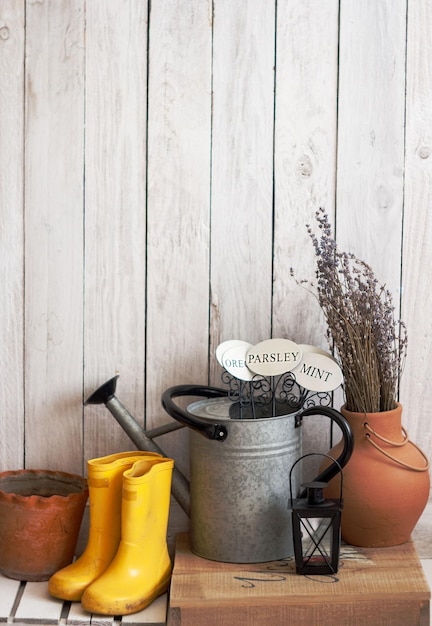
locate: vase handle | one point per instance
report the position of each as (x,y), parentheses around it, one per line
(391,443)
(392,458)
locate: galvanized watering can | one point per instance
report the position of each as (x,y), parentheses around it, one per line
(238,494)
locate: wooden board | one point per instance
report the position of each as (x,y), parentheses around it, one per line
(12,33)
(416,392)
(115,220)
(305,154)
(54,163)
(37,607)
(178,174)
(242,174)
(383,586)
(30,603)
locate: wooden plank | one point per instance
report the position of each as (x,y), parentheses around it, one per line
(179,136)
(304,162)
(77,616)
(8,592)
(305,156)
(371,107)
(383,586)
(37,606)
(54,234)
(101,620)
(115,216)
(416,392)
(242,173)
(12,35)
(370,142)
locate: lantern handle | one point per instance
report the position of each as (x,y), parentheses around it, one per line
(335,461)
(347,438)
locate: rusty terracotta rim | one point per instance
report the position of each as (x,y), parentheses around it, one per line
(40,487)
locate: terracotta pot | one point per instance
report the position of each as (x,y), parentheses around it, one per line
(385,483)
(40,518)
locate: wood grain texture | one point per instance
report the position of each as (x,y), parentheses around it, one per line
(386,586)
(242,186)
(179,150)
(305,157)
(416,392)
(115,214)
(305,174)
(54,165)
(370,164)
(12,33)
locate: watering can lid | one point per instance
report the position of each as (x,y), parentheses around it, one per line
(212,408)
(225,409)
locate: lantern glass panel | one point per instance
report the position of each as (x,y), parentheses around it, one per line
(317,540)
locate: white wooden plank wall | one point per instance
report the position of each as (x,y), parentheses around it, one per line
(158,164)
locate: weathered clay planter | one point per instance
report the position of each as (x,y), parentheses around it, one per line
(386,483)
(40,518)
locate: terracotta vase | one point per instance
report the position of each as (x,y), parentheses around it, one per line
(385,483)
(40,518)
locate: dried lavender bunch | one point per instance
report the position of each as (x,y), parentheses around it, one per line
(370,343)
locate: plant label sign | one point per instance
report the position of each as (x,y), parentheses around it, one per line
(273,357)
(232,356)
(318,372)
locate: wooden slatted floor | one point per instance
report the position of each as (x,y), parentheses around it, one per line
(30,603)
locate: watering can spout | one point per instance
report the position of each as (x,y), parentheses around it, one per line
(105,394)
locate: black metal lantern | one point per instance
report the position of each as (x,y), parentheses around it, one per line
(316,525)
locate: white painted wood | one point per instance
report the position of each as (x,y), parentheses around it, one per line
(305,157)
(77,615)
(115,213)
(38,606)
(11,234)
(101,620)
(54,161)
(370,141)
(305,173)
(370,165)
(179,143)
(8,591)
(416,391)
(242,173)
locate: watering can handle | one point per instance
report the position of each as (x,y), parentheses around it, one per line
(209,430)
(348,439)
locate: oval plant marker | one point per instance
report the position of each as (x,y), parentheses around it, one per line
(318,372)
(273,357)
(226,345)
(234,361)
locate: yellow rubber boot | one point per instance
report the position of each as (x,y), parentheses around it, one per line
(141,569)
(105,476)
